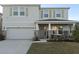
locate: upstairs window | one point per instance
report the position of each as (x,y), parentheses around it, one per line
(58,15)
(22,11)
(45,15)
(15,11)
(18,11)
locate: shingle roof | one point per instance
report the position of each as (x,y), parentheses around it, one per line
(55,7)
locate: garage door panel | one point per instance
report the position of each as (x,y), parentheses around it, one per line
(20,34)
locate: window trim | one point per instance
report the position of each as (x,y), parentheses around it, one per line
(58,11)
(45,12)
(12,11)
(26,11)
(20,10)
(41,14)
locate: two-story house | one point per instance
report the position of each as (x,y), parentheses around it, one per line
(27,21)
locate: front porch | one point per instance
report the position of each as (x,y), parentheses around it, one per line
(54,30)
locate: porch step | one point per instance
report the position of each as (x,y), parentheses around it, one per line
(41,40)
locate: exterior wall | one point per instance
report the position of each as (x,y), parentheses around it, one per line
(52,13)
(34,13)
(23,21)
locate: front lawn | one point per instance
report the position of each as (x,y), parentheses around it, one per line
(54,48)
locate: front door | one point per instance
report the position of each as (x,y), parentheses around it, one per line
(43,31)
(43,34)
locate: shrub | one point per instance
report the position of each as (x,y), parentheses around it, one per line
(76,33)
(2,37)
(36,38)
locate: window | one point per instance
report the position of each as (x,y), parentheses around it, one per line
(22,12)
(58,15)
(18,11)
(15,11)
(45,15)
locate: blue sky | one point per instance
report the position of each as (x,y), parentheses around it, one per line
(73,11)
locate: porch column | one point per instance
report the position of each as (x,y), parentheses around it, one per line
(49,27)
(73,27)
(49,30)
(36,30)
(37,27)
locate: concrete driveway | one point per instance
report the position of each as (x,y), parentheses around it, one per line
(14,46)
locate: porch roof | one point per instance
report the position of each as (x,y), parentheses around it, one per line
(56,21)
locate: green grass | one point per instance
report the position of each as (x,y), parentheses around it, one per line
(54,48)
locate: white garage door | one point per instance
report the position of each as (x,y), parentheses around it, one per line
(19,33)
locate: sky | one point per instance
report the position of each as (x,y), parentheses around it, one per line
(73,11)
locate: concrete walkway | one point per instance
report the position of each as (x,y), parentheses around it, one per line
(14,46)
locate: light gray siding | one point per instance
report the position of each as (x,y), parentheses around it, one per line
(11,21)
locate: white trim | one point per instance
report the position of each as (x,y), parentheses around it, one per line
(19,12)
(19,28)
(49,28)
(37,27)
(13,11)
(73,26)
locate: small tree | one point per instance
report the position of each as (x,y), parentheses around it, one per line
(76,33)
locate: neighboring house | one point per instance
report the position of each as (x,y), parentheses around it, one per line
(27,21)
